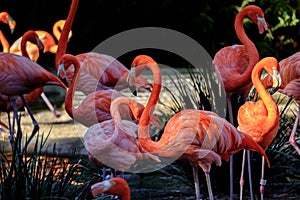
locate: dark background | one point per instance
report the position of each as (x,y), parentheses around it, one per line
(209,22)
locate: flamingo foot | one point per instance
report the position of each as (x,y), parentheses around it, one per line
(57,113)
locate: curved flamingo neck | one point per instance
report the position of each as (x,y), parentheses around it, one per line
(249,45)
(273,113)
(63,40)
(144,123)
(4,42)
(29,36)
(57,27)
(69,96)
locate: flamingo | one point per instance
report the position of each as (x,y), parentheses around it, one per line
(260,119)
(5,103)
(19,75)
(234,65)
(7,19)
(96,105)
(98,71)
(113,186)
(200,136)
(46,38)
(290,75)
(113,142)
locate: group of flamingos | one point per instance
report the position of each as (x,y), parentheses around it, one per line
(201,137)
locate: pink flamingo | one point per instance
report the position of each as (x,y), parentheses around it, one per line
(113,142)
(234,65)
(200,136)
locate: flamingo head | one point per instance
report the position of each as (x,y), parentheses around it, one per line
(65,62)
(7,19)
(32,37)
(131,79)
(138,66)
(115,186)
(276,80)
(256,14)
(272,67)
(11,23)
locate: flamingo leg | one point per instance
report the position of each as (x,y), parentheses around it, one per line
(242,175)
(196,182)
(262,180)
(250,175)
(50,106)
(10,128)
(293,133)
(34,122)
(16,119)
(231,157)
(211,196)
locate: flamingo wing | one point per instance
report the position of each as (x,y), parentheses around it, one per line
(231,61)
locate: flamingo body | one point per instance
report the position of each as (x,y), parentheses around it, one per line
(20,75)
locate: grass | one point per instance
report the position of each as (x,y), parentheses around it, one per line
(41,176)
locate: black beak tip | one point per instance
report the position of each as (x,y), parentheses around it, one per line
(273,90)
(133,90)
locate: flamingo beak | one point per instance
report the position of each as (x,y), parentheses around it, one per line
(39,44)
(131,78)
(262,25)
(276,81)
(61,72)
(12,24)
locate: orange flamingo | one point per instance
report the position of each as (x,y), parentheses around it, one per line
(260,119)
(46,38)
(200,136)
(7,19)
(20,76)
(290,75)
(98,71)
(113,186)
(113,142)
(234,65)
